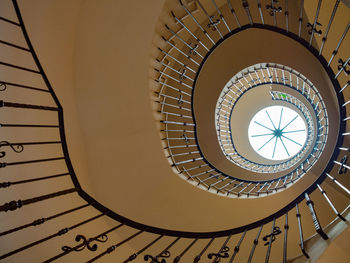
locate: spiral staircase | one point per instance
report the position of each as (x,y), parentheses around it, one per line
(150,159)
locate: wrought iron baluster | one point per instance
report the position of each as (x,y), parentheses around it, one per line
(301,232)
(14,205)
(330,203)
(343,67)
(189,31)
(274,10)
(199,256)
(301,17)
(222,18)
(59,233)
(40,221)
(198,24)
(260,11)
(180,51)
(85,243)
(9,21)
(178,258)
(335,51)
(286,227)
(162,255)
(193,51)
(312,28)
(272,236)
(286,13)
(222,253)
(324,39)
(315,218)
(339,184)
(245,5)
(135,255)
(114,247)
(176,60)
(236,250)
(233,13)
(26,106)
(212,23)
(255,243)
(6,83)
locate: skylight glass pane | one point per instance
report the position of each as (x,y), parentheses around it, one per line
(277,133)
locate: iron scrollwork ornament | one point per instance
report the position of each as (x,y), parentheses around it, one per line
(313,28)
(342,168)
(3,86)
(223,253)
(343,66)
(213,23)
(193,50)
(19,148)
(273,9)
(276,231)
(86,243)
(161,258)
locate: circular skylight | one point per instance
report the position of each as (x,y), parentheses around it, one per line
(277,133)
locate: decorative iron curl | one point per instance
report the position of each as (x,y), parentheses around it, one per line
(85,243)
(158,259)
(19,148)
(276,231)
(3,86)
(218,256)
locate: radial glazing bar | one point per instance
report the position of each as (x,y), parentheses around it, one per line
(233,13)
